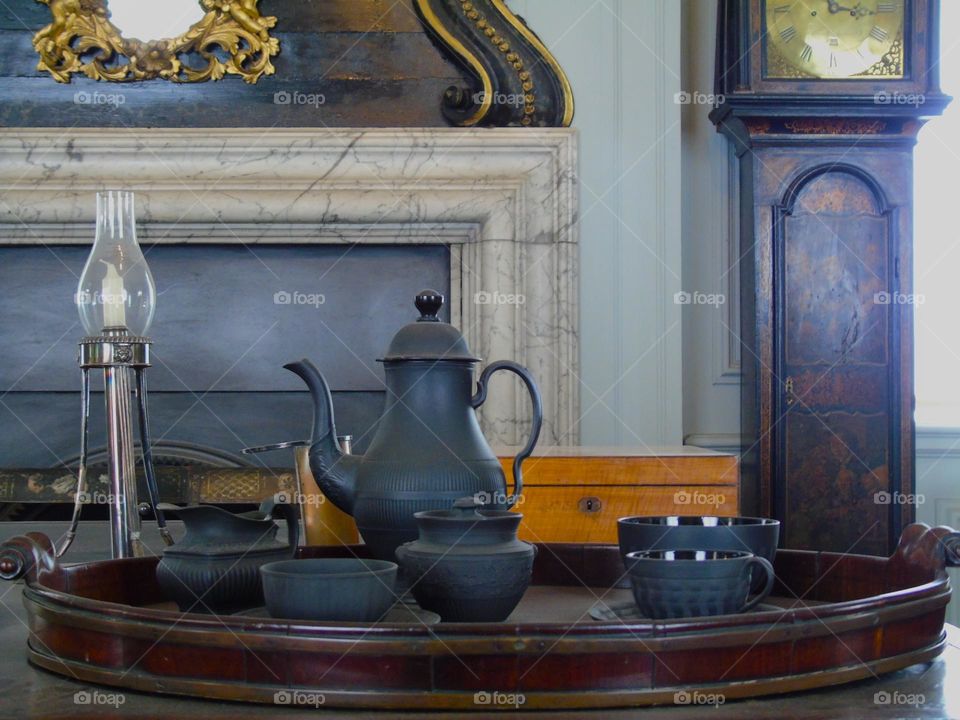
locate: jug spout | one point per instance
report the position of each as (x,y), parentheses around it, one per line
(334,471)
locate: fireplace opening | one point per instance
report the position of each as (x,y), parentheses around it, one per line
(229,316)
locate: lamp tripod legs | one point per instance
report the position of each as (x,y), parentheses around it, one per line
(147,452)
(82,470)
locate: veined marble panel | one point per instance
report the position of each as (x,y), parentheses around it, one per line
(505,201)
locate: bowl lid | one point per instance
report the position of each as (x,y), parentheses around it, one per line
(429,338)
(469,510)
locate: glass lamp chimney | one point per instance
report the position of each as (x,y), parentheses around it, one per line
(116,293)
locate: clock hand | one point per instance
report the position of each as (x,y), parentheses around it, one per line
(858,12)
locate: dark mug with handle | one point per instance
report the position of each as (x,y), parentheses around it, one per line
(685,583)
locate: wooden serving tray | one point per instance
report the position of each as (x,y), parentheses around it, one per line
(843,618)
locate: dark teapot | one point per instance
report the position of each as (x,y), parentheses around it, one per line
(428,449)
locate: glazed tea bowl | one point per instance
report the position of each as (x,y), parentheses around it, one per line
(342,589)
(700,532)
(670,584)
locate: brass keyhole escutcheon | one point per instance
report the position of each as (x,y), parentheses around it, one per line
(788,388)
(590,505)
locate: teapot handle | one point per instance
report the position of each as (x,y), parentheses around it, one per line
(481,396)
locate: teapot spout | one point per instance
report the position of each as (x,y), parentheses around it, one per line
(334,471)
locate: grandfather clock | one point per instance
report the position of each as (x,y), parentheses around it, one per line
(822,100)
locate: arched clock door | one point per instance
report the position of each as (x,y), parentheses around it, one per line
(837,442)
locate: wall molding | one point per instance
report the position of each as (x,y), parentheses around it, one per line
(938,443)
(726,200)
(504,201)
(667,20)
(722,442)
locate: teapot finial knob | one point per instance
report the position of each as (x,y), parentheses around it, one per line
(429,302)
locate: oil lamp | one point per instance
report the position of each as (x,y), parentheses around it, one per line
(116,298)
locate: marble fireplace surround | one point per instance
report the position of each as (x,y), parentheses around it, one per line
(503,200)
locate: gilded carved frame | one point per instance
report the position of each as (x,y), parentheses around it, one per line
(517,80)
(81,39)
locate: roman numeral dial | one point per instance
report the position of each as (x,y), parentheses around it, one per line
(834,39)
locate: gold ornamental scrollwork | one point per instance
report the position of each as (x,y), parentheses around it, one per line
(515,79)
(81,39)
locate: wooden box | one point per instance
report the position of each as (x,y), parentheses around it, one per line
(577,494)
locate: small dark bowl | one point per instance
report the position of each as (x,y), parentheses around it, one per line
(759,536)
(695,583)
(343,589)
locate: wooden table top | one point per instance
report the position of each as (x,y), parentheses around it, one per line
(31,693)
(600,451)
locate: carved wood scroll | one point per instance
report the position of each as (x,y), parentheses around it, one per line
(518,81)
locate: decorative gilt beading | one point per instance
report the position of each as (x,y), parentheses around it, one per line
(519,82)
(81,39)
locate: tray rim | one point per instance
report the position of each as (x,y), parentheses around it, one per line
(54,614)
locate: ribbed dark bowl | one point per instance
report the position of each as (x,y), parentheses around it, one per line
(344,589)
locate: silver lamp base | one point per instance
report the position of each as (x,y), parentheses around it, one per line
(123,359)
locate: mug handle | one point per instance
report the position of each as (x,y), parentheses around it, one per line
(767,588)
(289,512)
(477,400)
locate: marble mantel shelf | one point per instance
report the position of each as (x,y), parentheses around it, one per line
(504,200)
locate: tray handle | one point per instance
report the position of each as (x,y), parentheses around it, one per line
(951,549)
(26,555)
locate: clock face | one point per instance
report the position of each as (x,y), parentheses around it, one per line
(834,39)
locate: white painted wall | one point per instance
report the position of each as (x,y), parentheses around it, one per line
(938,482)
(623,59)
(711,358)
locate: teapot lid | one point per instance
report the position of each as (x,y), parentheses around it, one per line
(428,338)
